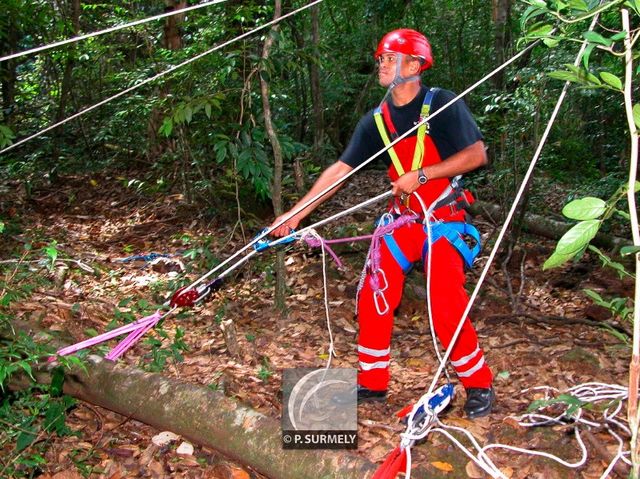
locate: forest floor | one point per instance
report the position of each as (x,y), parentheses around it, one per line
(552,341)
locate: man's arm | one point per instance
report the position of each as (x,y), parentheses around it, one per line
(472,157)
(328,177)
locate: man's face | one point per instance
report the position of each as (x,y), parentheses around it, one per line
(387,65)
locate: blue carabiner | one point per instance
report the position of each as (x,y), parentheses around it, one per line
(265,243)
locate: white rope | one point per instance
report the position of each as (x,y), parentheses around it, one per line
(443,361)
(510,215)
(106,30)
(313,233)
(155,77)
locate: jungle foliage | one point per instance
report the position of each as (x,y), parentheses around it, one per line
(200,130)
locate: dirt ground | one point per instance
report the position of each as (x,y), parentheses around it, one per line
(554,339)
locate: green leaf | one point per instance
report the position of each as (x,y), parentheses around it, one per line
(166,128)
(594,296)
(587,208)
(551,42)
(207,109)
(565,76)
(636,114)
(579,5)
(587,54)
(54,418)
(578,237)
(635,4)
(609,263)
(619,35)
(25,438)
(540,30)
(1,227)
(612,80)
(52,252)
(623,214)
(57,381)
(555,260)
(627,250)
(538,3)
(594,37)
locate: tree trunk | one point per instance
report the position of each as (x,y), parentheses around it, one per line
(204,417)
(9,44)
(501,17)
(276,192)
(172,38)
(316,91)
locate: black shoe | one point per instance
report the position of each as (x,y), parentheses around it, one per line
(368,395)
(479,402)
(363,394)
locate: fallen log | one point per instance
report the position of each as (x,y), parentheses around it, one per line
(543,226)
(207,418)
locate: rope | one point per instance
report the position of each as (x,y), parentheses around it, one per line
(510,215)
(314,234)
(489,467)
(155,77)
(106,30)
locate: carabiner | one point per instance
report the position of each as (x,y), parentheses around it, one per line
(377,296)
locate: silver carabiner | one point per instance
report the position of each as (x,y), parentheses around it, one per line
(377,296)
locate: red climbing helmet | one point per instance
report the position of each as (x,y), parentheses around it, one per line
(407,42)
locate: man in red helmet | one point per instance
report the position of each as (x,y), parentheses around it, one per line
(422,167)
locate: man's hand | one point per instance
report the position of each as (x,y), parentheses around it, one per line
(285,228)
(406,184)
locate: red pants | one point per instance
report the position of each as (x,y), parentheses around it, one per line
(448,302)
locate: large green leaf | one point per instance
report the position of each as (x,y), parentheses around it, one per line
(588,208)
(556,259)
(611,80)
(572,243)
(578,237)
(594,37)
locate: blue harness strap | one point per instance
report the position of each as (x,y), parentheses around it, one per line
(392,244)
(397,253)
(454,233)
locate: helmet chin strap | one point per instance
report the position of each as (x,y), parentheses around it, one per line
(398,79)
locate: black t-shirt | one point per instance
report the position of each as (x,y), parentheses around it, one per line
(451,131)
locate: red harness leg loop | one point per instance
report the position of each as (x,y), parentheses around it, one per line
(395,462)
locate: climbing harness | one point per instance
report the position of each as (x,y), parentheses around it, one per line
(382,117)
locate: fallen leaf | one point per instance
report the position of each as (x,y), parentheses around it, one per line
(443,466)
(239,473)
(473,471)
(185,448)
(164,438)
